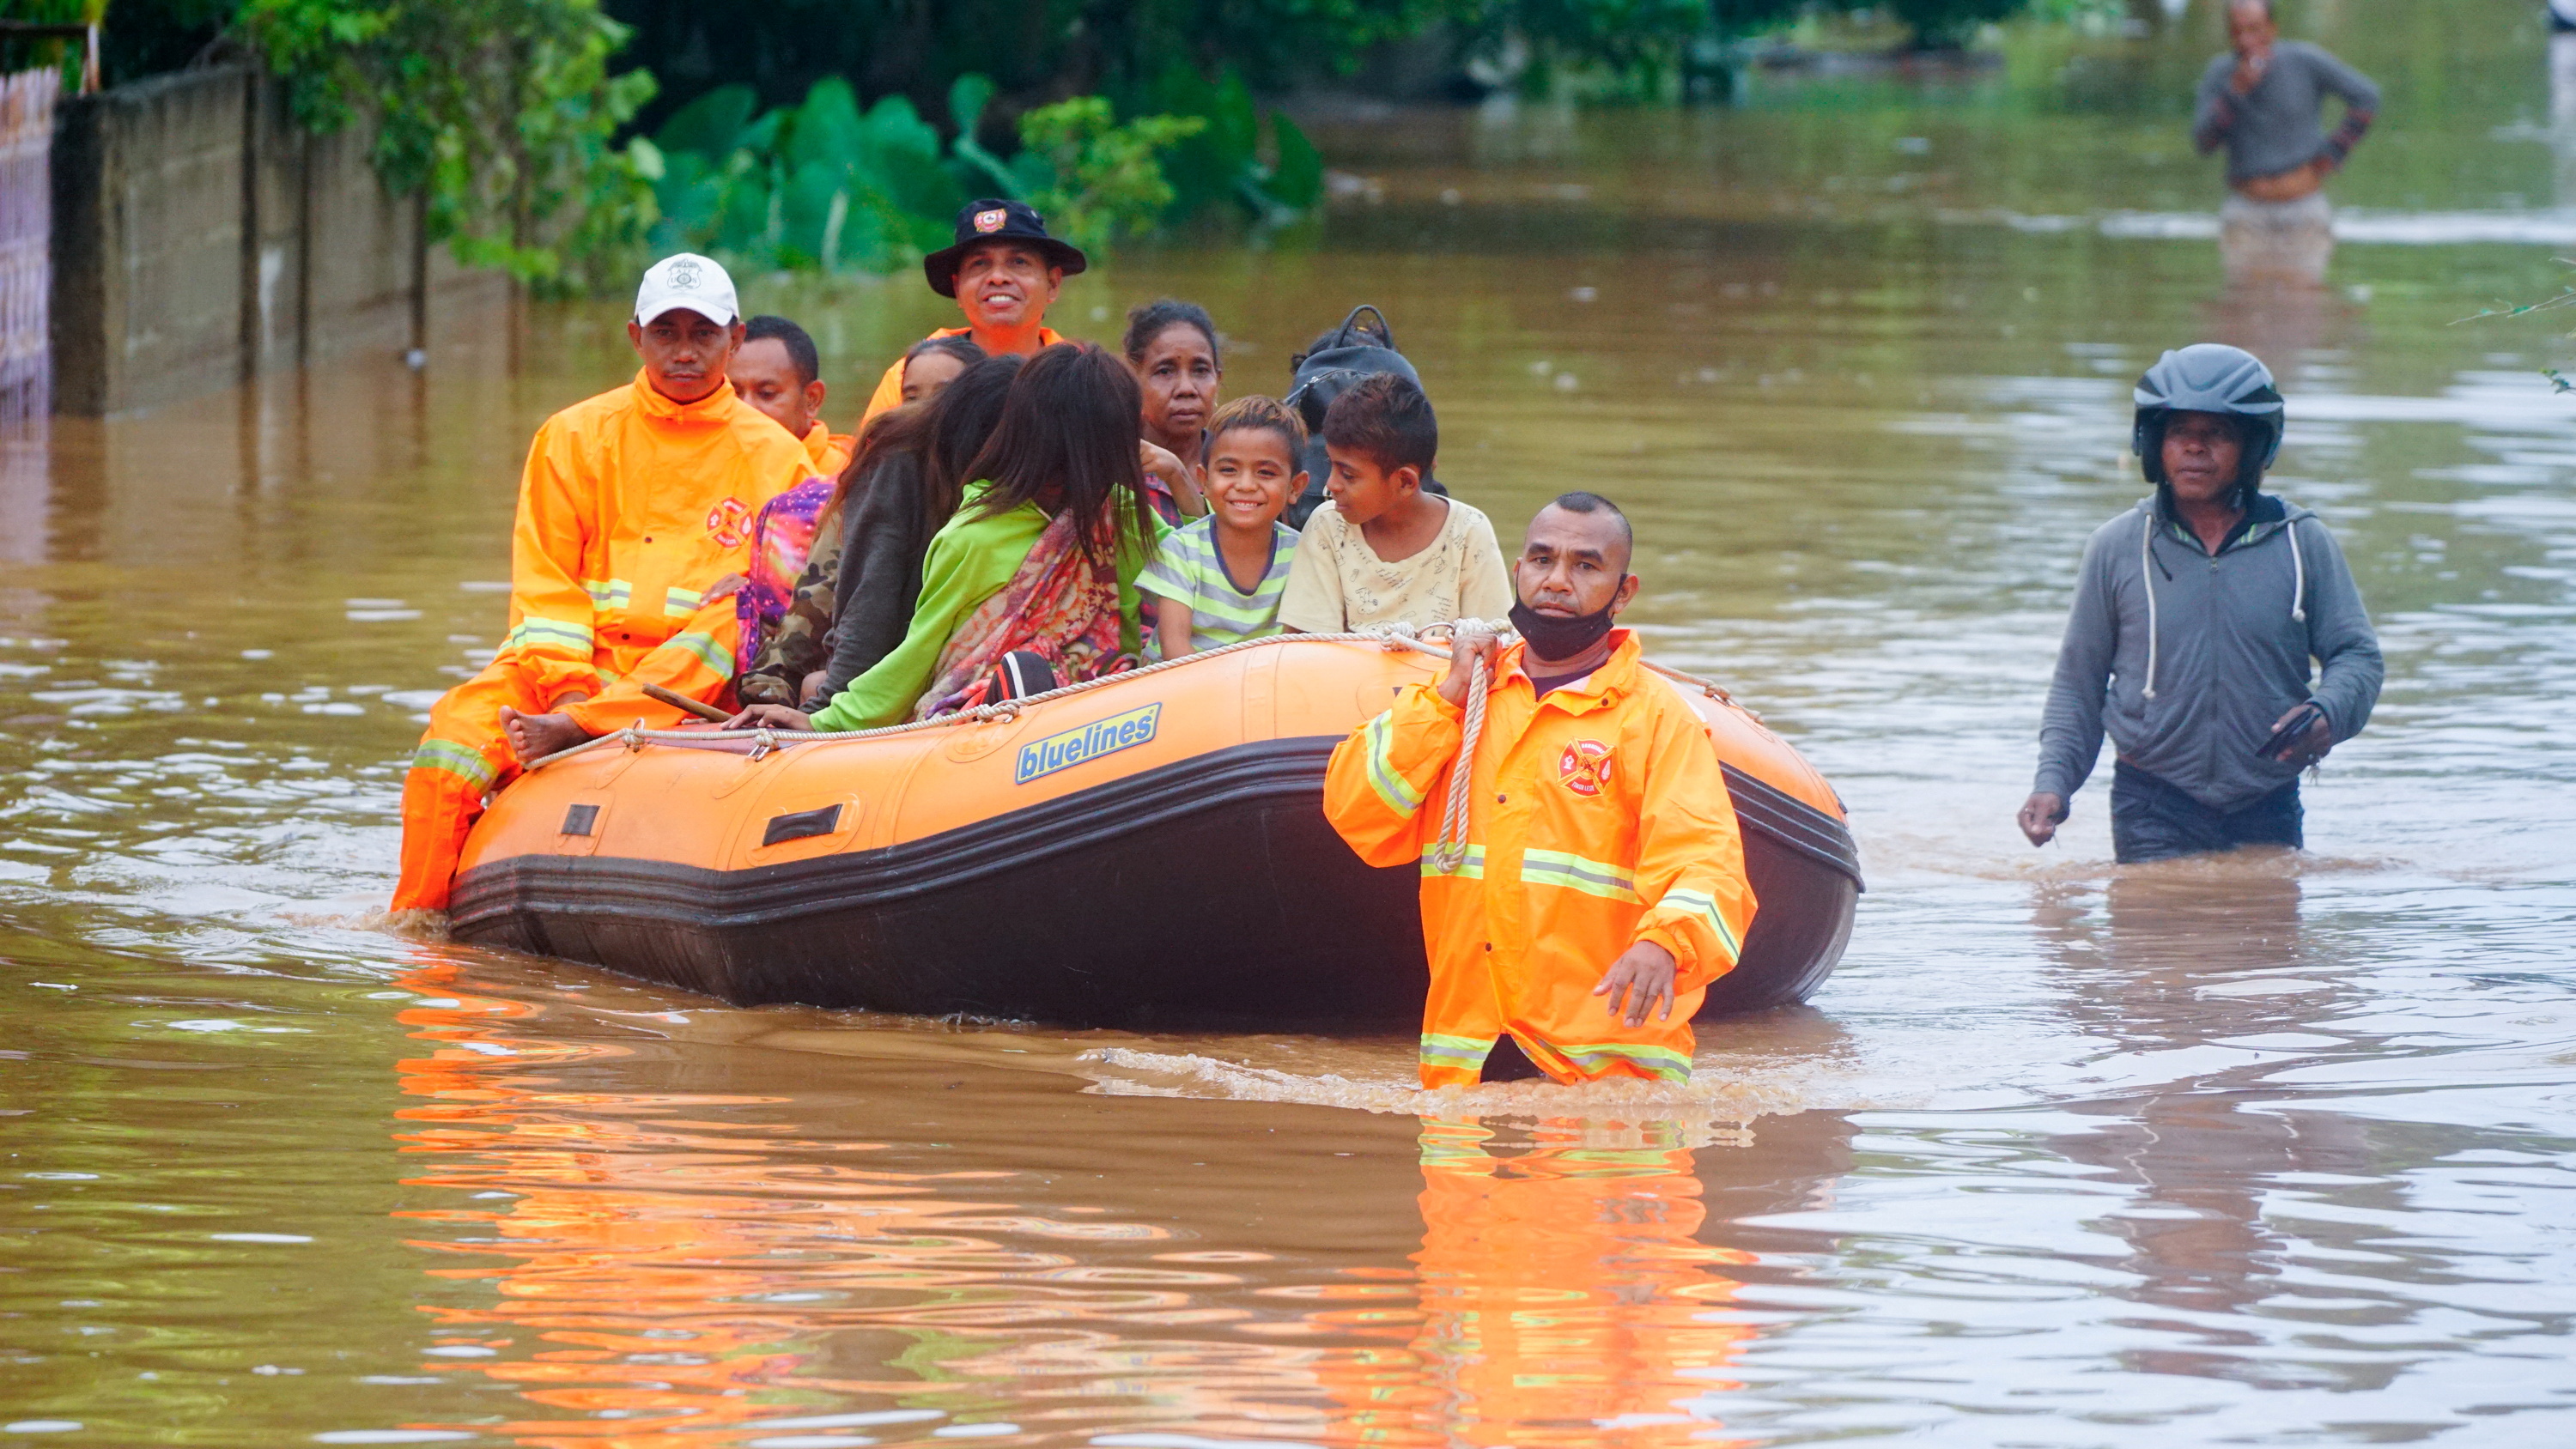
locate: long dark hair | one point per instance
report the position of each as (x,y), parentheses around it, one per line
(1067,442)
(961,421)
(903,430)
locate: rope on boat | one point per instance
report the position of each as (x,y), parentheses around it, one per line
(1448,852)
(1710,687)
(1394,638)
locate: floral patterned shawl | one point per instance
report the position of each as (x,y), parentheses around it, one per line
(1061,606)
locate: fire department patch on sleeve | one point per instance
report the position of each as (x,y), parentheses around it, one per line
(1584,768)
(729,523)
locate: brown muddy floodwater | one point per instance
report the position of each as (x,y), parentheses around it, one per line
(2258,1150)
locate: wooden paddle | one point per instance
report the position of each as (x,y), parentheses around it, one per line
(683,702)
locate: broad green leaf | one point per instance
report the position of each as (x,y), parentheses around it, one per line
(742,223)
(967,97)
(826,129)
(1298,179)
(1233,122)
(805,213)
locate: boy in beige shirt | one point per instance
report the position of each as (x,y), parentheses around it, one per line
(1384,551)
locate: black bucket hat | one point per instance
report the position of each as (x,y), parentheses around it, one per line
(994,220)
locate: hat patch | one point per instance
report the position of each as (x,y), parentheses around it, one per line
(683,276)
(991,221)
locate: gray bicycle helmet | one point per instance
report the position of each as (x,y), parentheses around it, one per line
(2209,377)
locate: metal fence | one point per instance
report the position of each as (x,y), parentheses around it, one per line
(26,242)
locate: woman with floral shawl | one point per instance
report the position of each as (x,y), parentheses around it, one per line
(1038,567)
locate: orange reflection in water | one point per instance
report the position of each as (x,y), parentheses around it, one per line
(1564,1295)
(689,1261)
(674,1268)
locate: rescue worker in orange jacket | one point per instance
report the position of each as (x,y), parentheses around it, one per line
(635,506)
(1601,887)
(1005,271)
(779,371)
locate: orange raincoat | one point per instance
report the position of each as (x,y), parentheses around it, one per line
(889,393)
(829,451)
(1599,818)
(632,507)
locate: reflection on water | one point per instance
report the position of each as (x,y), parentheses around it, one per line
(2200,961)
(701,1259)
(2259,1149)
(1565,1293)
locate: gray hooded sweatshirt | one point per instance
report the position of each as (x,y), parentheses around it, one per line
(2187,658)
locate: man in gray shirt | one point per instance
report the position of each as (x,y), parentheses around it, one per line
(2263,101)
(2196,615)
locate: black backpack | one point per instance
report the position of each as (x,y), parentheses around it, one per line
(1339,359)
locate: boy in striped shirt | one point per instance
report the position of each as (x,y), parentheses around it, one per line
(1218,579)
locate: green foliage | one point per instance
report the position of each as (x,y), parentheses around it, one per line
(499,112)
(820,186)
(1951,22)
(66,55)
(1035,51)
(1638,44)
(54,12)
(1274,41)
(987,172)
(1220,166)
(1108,181)
(502,112)
(825,186)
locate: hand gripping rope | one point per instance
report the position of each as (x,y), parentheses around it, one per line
(1448,850)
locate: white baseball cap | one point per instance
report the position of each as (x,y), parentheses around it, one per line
(686,280)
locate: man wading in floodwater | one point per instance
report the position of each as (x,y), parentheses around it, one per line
(2261,101)
(2196,614)
(1601,885)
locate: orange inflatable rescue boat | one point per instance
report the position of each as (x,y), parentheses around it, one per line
(1147,850)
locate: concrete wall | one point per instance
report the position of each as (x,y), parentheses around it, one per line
(201,239)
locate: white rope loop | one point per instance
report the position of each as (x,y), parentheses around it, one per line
(1395,638)
(1448,852)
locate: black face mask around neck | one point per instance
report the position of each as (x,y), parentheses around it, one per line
(1552,636)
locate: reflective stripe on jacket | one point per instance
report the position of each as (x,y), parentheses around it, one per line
(631,508)
(1598,818)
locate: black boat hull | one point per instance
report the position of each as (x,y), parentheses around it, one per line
(1213,895)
